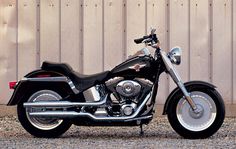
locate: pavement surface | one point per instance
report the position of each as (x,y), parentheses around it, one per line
(158,134)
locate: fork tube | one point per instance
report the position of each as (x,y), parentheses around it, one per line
(180,84)
(175,76)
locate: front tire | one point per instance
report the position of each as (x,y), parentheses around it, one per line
(41,127)
(202,125)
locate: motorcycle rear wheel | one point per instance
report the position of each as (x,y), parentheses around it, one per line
(201,125)
(41,127)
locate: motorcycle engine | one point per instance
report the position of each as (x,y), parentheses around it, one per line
(125,95)
(128,88)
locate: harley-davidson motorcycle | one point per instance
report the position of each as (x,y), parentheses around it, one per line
(51,99)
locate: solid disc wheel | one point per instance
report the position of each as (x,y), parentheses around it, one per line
(42,127)
(197,125)
(196,121)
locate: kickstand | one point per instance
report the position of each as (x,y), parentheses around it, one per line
(141,130)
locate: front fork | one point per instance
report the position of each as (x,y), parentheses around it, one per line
(175,76)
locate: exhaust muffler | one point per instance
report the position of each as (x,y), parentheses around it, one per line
(63,104)
(74,114)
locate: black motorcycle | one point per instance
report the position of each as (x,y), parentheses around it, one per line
(51,99)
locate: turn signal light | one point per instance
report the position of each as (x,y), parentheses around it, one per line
(12,84)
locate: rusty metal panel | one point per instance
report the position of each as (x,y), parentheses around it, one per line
(113,33)
(93,36)
(199,40)
(135,24)
(71,42)
(222,48)
(8,47)
(27,29)
(49,30)
(234,52)
(157,18)
(179,35)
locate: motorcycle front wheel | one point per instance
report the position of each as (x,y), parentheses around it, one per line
(193,125)
(41,127)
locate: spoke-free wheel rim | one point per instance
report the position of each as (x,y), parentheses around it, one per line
(200,121)
(43,123)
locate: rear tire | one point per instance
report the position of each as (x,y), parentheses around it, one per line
(41,127)
(195,126)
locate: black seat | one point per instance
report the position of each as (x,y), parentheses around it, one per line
(62,68)
(82,82)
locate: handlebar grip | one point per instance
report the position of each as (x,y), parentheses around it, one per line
(140,40)
(137,41)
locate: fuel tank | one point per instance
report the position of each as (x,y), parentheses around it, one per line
(140,66)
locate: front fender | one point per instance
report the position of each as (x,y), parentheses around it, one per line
(187,85)
(24,86)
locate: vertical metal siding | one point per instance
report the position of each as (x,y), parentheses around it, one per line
(8,46)
(49,30)
(113,33)
(234,51)
(179,35)
(93,36)
(222,48)
(71,33)
(27,30)
(135,24)
(96,35)
(199,40)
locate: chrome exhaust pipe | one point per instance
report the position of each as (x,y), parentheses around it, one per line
(73,114)
(63,104)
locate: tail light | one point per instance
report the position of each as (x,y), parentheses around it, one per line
(12,84)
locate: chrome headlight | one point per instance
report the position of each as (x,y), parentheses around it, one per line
(175,55)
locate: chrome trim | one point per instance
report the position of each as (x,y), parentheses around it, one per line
(72,114)
(42,123)
(197,121)
(128,88)
(101,112)
(132,105)
(145,51)
(177,79)
(113,80)
(175,55)
(64,104)
(92,94)
(48,79)
(72,86)
(144,81)
(55,79)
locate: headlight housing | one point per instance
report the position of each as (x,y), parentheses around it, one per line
(175,55)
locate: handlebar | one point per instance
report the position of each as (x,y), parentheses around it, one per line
(140,40)
(152,38)
(149,40)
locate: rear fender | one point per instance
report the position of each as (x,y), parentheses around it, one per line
(187,85)
(36,79)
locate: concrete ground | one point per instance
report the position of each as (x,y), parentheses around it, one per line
(158,134)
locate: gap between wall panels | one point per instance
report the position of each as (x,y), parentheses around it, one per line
(38,34)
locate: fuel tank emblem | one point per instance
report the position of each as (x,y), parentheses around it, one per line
(137,67)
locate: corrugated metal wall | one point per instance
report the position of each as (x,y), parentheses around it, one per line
(96,35)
